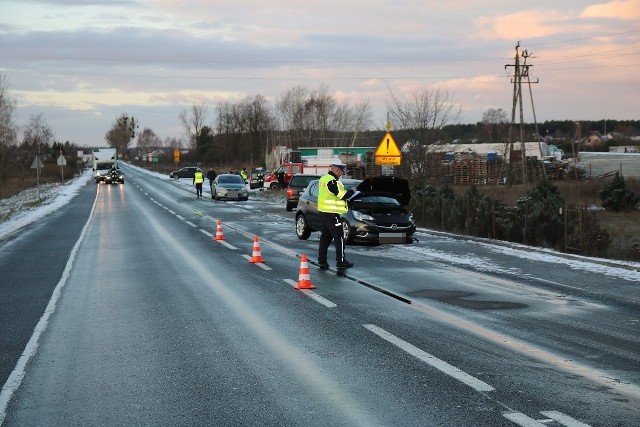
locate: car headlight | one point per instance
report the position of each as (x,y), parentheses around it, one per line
(361,216)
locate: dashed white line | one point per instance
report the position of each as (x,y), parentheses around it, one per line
(312,295)
(206,233)
(191,224)
(431,360)
(180,217)
(259,264)
(522,420)
(563,419)
(228,245)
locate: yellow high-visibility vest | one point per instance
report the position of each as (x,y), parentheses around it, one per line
(329,202)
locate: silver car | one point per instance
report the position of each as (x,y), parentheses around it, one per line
(230,187)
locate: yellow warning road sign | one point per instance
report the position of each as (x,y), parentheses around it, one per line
(387,152)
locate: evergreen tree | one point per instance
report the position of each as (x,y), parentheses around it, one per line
(615,196)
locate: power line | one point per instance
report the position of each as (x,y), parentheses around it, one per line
(583,38)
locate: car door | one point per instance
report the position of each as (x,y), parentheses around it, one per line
(311,209)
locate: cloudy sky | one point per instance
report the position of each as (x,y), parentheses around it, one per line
(82,63)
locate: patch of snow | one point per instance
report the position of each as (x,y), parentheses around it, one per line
(34,203)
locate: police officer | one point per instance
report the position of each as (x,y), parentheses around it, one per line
(332,201)
(244,175)
(198,179)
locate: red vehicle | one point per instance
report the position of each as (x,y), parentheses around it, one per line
(281,177)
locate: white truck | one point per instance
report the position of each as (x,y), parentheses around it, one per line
(103,160)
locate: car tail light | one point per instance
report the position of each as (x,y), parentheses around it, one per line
(289,192)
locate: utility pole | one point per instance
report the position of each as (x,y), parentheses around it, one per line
(521,71)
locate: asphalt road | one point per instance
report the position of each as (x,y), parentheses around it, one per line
(157,323)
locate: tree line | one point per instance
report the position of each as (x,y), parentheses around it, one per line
(242,133)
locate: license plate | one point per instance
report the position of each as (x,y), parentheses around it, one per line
(392,237)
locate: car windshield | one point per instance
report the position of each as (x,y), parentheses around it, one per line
(230,179)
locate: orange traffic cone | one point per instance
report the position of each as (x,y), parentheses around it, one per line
(256,256)
(304,279)
(219,235)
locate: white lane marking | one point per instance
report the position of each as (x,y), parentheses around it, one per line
(522,420)
(431,360)
(312,295)
(206,233)
(191,224)
(19,371)
(172,212)
(230,246)
(259,264)
(180,217)
(563,419)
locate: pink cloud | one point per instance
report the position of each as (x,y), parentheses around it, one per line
(620,9)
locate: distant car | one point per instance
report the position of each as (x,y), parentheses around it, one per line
(186,172)
(296,187)
(115,176)
(377,215)
(229,186)
(254,182)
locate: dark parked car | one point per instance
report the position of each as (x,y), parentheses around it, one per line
(377,215)
(296,187)
(229,186)
(186,172)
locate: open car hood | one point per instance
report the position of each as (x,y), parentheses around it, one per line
(391,186)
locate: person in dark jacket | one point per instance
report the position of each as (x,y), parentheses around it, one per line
(211,175)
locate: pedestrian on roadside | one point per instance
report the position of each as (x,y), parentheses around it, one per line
(198,179)
(211,175)
(332,201)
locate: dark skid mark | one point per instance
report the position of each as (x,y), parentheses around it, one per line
(458,298)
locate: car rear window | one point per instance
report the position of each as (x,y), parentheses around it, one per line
(231,179)
(301,181)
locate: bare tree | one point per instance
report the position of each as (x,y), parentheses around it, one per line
(193,121)
(291,111)
(422,116)
(8,129)
(123,130)
(258,118)
(315,117)
(426,112)
(148,140)
(360,119)
(172,142)
(36,140)
(495,125)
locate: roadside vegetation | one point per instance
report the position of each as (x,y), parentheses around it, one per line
(591,217)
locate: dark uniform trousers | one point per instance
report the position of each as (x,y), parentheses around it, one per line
(331,229)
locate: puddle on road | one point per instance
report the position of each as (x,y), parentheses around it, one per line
(459,299)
